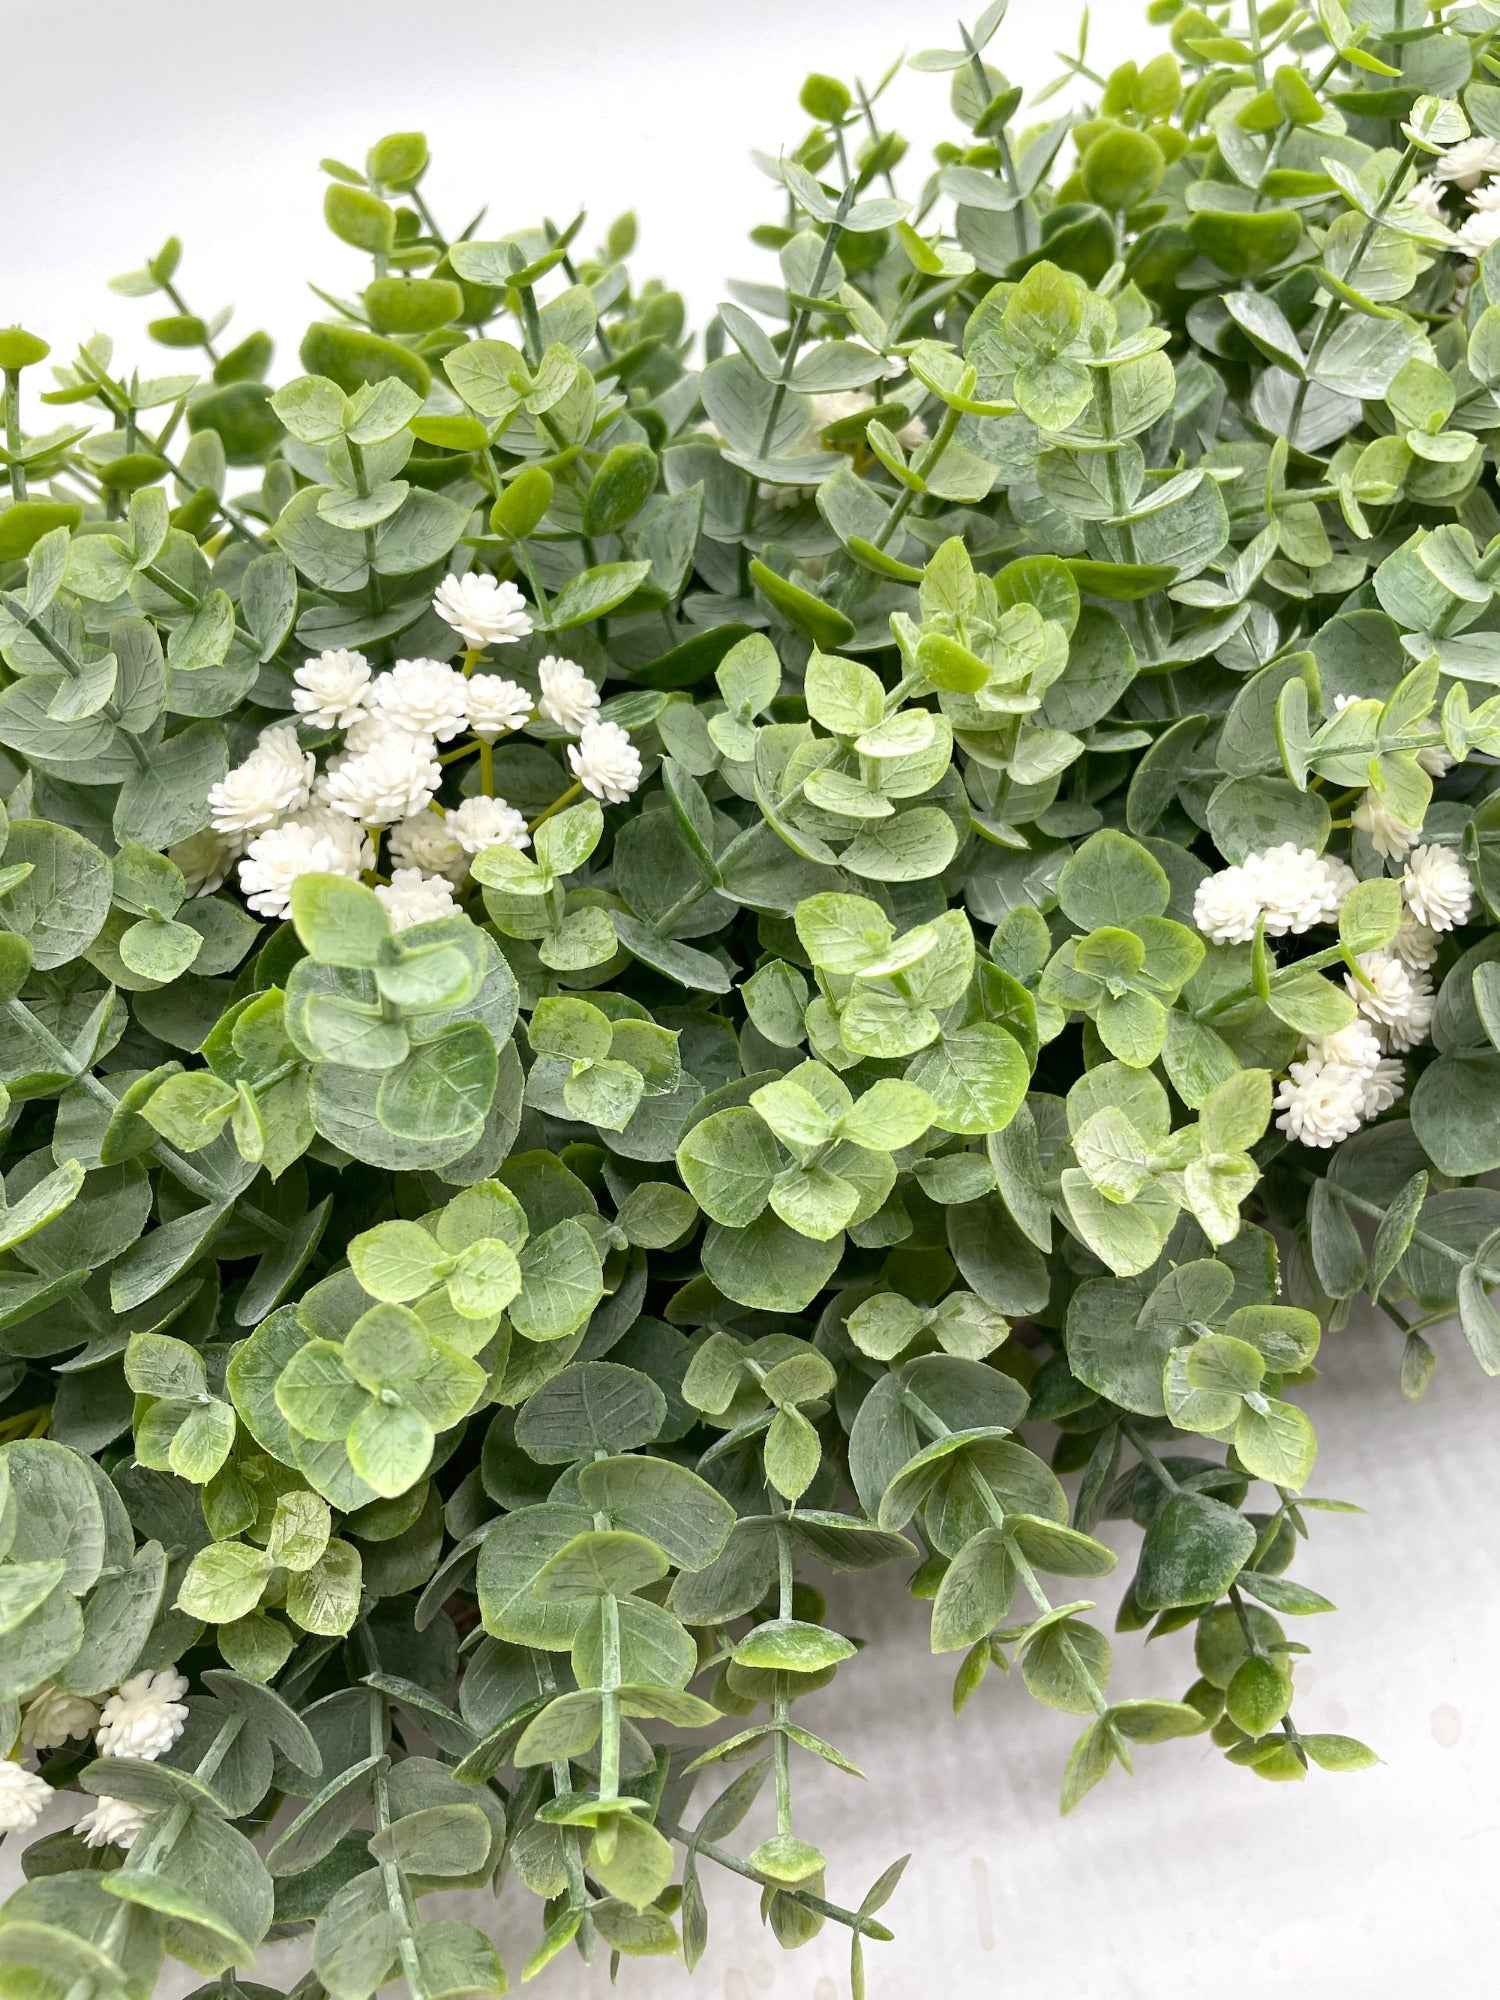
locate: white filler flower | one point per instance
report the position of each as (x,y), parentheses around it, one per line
(481,611)
(423,697)
(569,697)
(1438,891)
(1355,1047)
(280,856)
(391,781)
(1388,835)
(1399,1001)
(606,762)
(1291,887)
(427,841)
(1427,198)
(1297,888)
(1383,1086)
(275,779)
(1226,906)
(482,822)
(410,897)
(53,1715)
(1320,1103)
(333,690)
(111,1821)
(496,707)
(22,1796)
(1468,162)
(1479,231)
(205,860)
(146,1717)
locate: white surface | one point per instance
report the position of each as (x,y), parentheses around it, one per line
(128,123)
(208,122)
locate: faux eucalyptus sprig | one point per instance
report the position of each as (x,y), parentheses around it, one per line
(630,972)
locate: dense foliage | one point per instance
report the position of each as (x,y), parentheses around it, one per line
(631,973)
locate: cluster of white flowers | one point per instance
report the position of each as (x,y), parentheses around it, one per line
(282,819)
(1354,1075)
(1343,1080)
(22,1796)
(1480,228)
(1465,166)
(143,1719)
(1467,163)
(53,1716)
(1290,887)
(274,780)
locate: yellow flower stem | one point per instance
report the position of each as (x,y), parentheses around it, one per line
(563,799)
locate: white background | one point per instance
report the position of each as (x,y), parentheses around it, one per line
(126,123)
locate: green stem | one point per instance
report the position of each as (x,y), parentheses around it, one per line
(867,1926)
(1328,316)
(13,434)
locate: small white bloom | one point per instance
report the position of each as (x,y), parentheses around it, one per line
(275,779)
(427,841)
(1291,886)
(1479,231)
(1388,835)
(146,1717)
(277,858)
(1427,198)
(1382,1087)
(495,706)
(423,697)
(22,1796)
(205,860)
(483,822)
(481,611)
(1338,879)
(333,690)
(414,898)
(1399,1001)
(53,1715)
(606,762)
(111,1821)
(1226,906)
(1319,1103)
(1415,945)
(1435,760)
(1468,162)
(396,778)
(569,697)
(1354,1048)
(1486,198)
(1437,888)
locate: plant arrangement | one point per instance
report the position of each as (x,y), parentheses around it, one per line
(630,973)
